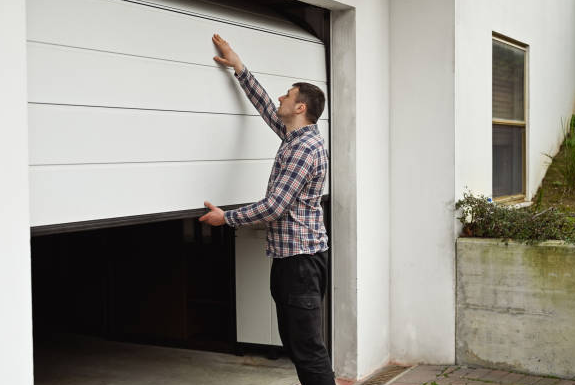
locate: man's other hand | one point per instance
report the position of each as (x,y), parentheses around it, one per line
(215,217)
(229,58)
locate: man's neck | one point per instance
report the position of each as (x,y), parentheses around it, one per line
(292,126)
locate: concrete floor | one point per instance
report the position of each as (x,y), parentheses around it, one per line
(83,360)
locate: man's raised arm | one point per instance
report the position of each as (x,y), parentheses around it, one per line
(253,89)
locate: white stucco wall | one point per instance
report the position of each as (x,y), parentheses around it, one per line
(15,296)
(422,179)
(548,28)
(373,242)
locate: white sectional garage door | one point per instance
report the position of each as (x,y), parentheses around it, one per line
(130,115)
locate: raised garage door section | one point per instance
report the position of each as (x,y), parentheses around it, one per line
(130,115)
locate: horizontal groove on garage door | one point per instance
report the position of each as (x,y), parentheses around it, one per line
(322,119)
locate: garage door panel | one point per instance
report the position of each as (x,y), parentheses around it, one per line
(61,194)
(76,134)
(69,135)
(129,115)
(64,75)
(124,27)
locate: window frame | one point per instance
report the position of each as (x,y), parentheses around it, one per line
(523,196)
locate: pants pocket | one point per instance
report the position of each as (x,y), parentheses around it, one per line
(305,312)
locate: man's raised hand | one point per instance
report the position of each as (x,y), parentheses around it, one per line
(228,57)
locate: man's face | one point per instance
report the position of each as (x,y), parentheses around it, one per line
(288,105)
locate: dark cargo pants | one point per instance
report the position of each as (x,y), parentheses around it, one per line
(298,284)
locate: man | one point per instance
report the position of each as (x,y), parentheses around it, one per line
(296,235)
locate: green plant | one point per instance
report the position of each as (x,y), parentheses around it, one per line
(565,158)
(568,161)
(483,218)
(539,199)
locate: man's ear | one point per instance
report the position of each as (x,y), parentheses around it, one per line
(301,108)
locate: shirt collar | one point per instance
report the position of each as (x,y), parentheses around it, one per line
(299,132)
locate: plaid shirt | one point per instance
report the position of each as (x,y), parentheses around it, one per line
(291,208)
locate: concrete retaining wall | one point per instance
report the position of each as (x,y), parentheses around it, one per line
(516,306)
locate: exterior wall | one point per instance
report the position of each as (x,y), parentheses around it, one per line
(515,306)
(373,242)
(422,179)
(15,275)
(548,29)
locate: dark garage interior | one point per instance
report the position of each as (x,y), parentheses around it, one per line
(169,283)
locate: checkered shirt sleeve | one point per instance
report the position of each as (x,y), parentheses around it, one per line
(293,176)
(261,101)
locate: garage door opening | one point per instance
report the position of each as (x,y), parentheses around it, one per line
(119,304)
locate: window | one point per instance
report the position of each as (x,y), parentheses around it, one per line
(509,84)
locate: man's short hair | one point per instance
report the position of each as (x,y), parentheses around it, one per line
(313,98)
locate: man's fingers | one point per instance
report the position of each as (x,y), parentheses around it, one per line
(218,41)
(209,205)
(203,217)
(222,61)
